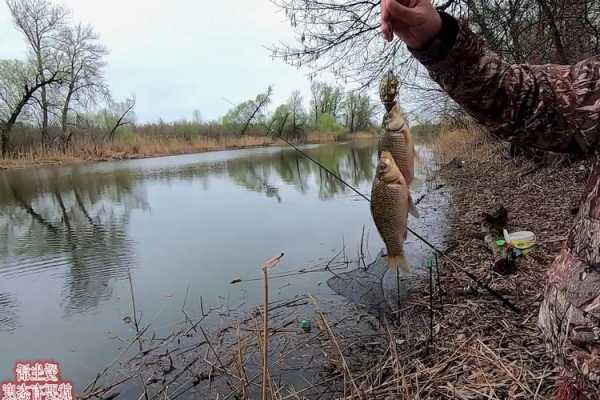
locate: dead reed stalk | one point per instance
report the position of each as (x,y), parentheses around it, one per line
(272,262)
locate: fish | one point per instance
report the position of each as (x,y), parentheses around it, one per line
(398,140)
(390,204)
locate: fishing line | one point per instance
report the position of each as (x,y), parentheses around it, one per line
(442,254)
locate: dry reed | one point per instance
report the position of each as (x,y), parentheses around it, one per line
(467,143)
(87,149)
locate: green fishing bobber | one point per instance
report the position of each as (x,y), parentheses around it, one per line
(306,325)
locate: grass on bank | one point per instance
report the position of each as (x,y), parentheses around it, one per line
(467,142)
(133,145)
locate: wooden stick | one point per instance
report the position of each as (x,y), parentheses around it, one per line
(135,320)
(265,359)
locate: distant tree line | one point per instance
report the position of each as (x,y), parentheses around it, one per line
(58,92)
(331,110)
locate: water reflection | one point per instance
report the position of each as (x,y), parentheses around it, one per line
(69,224)
(72,223)
(8,314)
(355,163)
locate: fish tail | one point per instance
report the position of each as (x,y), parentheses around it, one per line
(395,262)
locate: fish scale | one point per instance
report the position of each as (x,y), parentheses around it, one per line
(401,150)
(390,202)
(398,141)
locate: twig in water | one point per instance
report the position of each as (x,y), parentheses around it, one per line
(331,334)
(135,319)
(187,317)
(430,265)
(362,254)
(145,387)
(242,372)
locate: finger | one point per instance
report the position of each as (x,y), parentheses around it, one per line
(386,21)
(385,11)
(388,34)
(399,12)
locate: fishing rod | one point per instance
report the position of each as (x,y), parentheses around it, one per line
(507,303)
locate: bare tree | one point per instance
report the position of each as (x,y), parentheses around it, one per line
(40,21)
(262,100)
(248,113)
(117,115)
(297,114)
(359,112)
(197,116)
(18,84)
(344,37)
(84,73)
(326,99)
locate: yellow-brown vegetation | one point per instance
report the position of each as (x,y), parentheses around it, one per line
(467,143)
(142,146)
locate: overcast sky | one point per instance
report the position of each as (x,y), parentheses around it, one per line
(177,56)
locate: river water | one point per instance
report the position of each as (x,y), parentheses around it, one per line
(184,227)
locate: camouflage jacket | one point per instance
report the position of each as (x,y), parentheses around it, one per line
(552,107)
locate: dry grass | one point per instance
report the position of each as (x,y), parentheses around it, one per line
(483,350)
(468,143)
(143,146)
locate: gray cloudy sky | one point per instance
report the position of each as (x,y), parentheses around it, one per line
(182,55)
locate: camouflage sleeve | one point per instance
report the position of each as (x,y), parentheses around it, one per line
(552,107)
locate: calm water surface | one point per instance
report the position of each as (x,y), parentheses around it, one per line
(69,236)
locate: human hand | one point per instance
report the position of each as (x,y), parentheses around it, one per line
(415,22)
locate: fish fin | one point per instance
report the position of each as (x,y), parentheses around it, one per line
(412,209)
(395,262)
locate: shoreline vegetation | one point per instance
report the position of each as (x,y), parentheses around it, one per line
(56,105)
(85,150)
(475,347)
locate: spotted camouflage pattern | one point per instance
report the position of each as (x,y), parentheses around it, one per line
(552,107)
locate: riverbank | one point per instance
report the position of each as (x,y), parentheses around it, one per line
(481,348)
(456,341)
(138,147)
